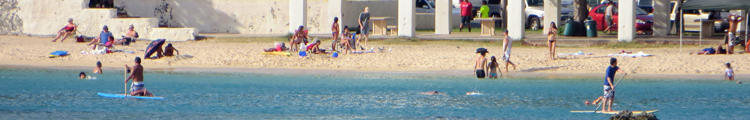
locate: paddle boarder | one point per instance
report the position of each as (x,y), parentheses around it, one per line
(138,88)
(609,97)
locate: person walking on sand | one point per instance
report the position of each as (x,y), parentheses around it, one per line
(334,33)
(364,26)
(608,16)
(465,15)
(69,29)
(481,62)
(551,37)
(136,73)
(507,44)
(609,97)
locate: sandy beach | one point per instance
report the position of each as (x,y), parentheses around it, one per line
(416,56)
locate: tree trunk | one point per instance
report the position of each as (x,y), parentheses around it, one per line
(580,14)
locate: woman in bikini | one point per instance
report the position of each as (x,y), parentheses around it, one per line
(335,33)
(69,29)
(551,37)
(299,36)
(346,37)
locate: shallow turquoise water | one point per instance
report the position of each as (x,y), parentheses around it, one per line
(31,93)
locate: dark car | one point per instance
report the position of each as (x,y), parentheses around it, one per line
(643,21)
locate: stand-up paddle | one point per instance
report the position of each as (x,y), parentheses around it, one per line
(126,83)
(611,112)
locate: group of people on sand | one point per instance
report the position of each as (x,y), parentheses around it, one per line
(105,37)
(343,39)
(482,68)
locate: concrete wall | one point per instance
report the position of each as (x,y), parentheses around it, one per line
(9,16)
(42,17)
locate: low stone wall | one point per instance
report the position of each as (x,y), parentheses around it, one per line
(173,34)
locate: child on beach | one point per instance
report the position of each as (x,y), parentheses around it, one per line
(481,62)
(98,68)
(493,67)
(315,48)
(609,97)
(334,33)
(507,44)
(729,73)
(170,50)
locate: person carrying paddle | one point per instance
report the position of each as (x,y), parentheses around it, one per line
(609,89)
(137,89)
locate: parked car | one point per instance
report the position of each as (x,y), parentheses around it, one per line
(535,13)
(643,21)
(690,15)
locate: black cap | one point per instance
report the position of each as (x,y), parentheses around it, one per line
(482,50)
(138,60)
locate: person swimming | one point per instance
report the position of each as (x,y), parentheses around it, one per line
(433,93)
(83,75)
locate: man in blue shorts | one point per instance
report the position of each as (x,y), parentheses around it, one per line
(609,89)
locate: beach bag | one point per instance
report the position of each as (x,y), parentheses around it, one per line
(80,38)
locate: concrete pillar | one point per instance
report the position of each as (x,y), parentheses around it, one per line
(297,14)
(626,21)
(551,14)
(443,12)
(661,17)
(334,10)
(515,19)
(406,10)
(743,25)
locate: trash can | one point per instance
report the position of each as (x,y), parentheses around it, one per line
(570,28)
(590,28)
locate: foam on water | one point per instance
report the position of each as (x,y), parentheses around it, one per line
(57,94)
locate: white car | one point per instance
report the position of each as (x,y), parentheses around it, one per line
(535,12)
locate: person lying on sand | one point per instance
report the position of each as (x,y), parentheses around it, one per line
(433,93)
(279,47)
(98,68)
(596,101)
(707,51)
(315,48)
(170,50)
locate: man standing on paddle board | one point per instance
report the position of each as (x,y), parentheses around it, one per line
(138,88)
(609,98)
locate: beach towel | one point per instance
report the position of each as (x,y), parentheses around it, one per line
(639,54)
(579,53)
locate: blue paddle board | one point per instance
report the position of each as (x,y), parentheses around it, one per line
(127,96)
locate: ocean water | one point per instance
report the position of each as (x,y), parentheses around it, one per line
(32,93)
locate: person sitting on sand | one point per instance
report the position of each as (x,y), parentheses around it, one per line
(729,73)
(299,37)
(137,88)
(129,37)
(721,50)
(492,67)
(69,29)
(103,39)
(481,63)
(507,44)
(170,50)
(432,93)
(596,101)
(279,47)
(315,48)
(98,68)
(346,39)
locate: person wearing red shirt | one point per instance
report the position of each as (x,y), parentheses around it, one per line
(465,14)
